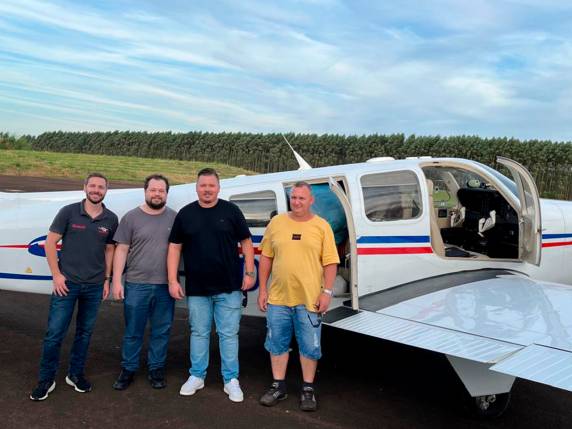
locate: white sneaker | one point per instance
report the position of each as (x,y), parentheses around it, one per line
(233,390)
(192,385)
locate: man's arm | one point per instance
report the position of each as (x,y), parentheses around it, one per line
(119,260)
(173,259)
(59,280)
(264,268)
(325,297)
(109,251)
(248,252)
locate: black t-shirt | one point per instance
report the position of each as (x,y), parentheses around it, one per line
(82,257)
(210,239)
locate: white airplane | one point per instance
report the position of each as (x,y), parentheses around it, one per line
(443,254)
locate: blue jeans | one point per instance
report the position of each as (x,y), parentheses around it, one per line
(283,321)
(145,302)
(88,298)
(226,309)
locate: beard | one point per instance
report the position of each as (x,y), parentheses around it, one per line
(156,206)
(94,198)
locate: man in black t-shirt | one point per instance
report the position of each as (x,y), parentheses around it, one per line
(207,233)
(81,273)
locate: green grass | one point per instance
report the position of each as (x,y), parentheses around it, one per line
(120,168)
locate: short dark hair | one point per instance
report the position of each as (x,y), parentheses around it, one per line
(95,174)
(156,177)
(208,172)
(302,184)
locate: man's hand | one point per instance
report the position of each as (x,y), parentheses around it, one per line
(247,282)
(175,290)
(262,299)
(105,289)
(118,290)
(323,302)
(60,288)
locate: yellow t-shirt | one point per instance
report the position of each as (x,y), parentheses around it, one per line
(299,251)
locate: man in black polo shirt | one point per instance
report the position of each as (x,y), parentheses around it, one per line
(207,232)
(81,274)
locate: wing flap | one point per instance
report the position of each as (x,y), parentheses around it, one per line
(541,364)
(427,337)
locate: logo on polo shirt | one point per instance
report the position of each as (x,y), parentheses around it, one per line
(78,226)
(103,230)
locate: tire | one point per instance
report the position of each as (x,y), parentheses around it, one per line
(490,406)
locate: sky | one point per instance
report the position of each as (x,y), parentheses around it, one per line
(491,68)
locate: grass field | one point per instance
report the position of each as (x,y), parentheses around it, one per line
(120,168)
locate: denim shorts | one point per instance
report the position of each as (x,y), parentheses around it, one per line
(283,321)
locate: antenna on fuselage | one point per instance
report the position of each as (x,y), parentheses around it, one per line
(303,165)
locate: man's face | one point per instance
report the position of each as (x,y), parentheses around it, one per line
(207,189)
(95,190)
(156,194)
(301,200)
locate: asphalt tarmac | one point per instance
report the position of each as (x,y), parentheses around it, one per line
(361,382)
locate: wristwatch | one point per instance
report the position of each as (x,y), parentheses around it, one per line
(328,291)
(250,274)
(108,278)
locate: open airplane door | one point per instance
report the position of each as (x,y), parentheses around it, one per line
(530,226)
(338,191)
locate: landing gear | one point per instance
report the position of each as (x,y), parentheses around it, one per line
(490,406)
(480,382)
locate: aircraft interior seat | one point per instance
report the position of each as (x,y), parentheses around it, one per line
(500,241)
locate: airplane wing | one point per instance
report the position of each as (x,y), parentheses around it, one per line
(515,325)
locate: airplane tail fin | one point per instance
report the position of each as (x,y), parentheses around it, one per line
(303,165)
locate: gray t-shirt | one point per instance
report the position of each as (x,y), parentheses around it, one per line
(148,239)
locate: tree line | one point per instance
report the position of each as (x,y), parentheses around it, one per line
(550,162)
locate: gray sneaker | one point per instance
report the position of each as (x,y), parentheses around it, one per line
(272,396)
(308,400)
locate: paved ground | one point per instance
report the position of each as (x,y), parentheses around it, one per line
(362,383)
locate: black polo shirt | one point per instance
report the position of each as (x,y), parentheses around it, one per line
(82,256)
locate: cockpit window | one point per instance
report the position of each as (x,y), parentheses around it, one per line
(258,207)
(391,196)
(502,178)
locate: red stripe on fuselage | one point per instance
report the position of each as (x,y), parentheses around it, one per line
(393,250)
(557,243)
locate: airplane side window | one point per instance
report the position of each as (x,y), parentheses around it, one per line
(258,207)
(391,196)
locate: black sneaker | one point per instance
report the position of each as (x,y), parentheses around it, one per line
(42,390)
(157,378)
(272,396)
(308,400)
(124,380)
(79,383)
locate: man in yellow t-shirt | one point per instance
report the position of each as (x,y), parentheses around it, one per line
(299,250)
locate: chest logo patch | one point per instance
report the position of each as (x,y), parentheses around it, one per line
(296,237)
(78,226)
(103,230)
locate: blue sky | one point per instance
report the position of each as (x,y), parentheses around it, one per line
(483,67)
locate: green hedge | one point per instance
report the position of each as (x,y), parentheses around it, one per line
(549,162)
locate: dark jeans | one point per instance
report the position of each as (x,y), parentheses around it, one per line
(145,302)
(88,298)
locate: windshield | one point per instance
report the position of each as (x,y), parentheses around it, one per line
(501,177)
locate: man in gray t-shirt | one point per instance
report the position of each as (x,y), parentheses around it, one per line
(142,242)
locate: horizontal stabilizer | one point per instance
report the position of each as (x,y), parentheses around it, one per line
(541,364)
(424,336)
